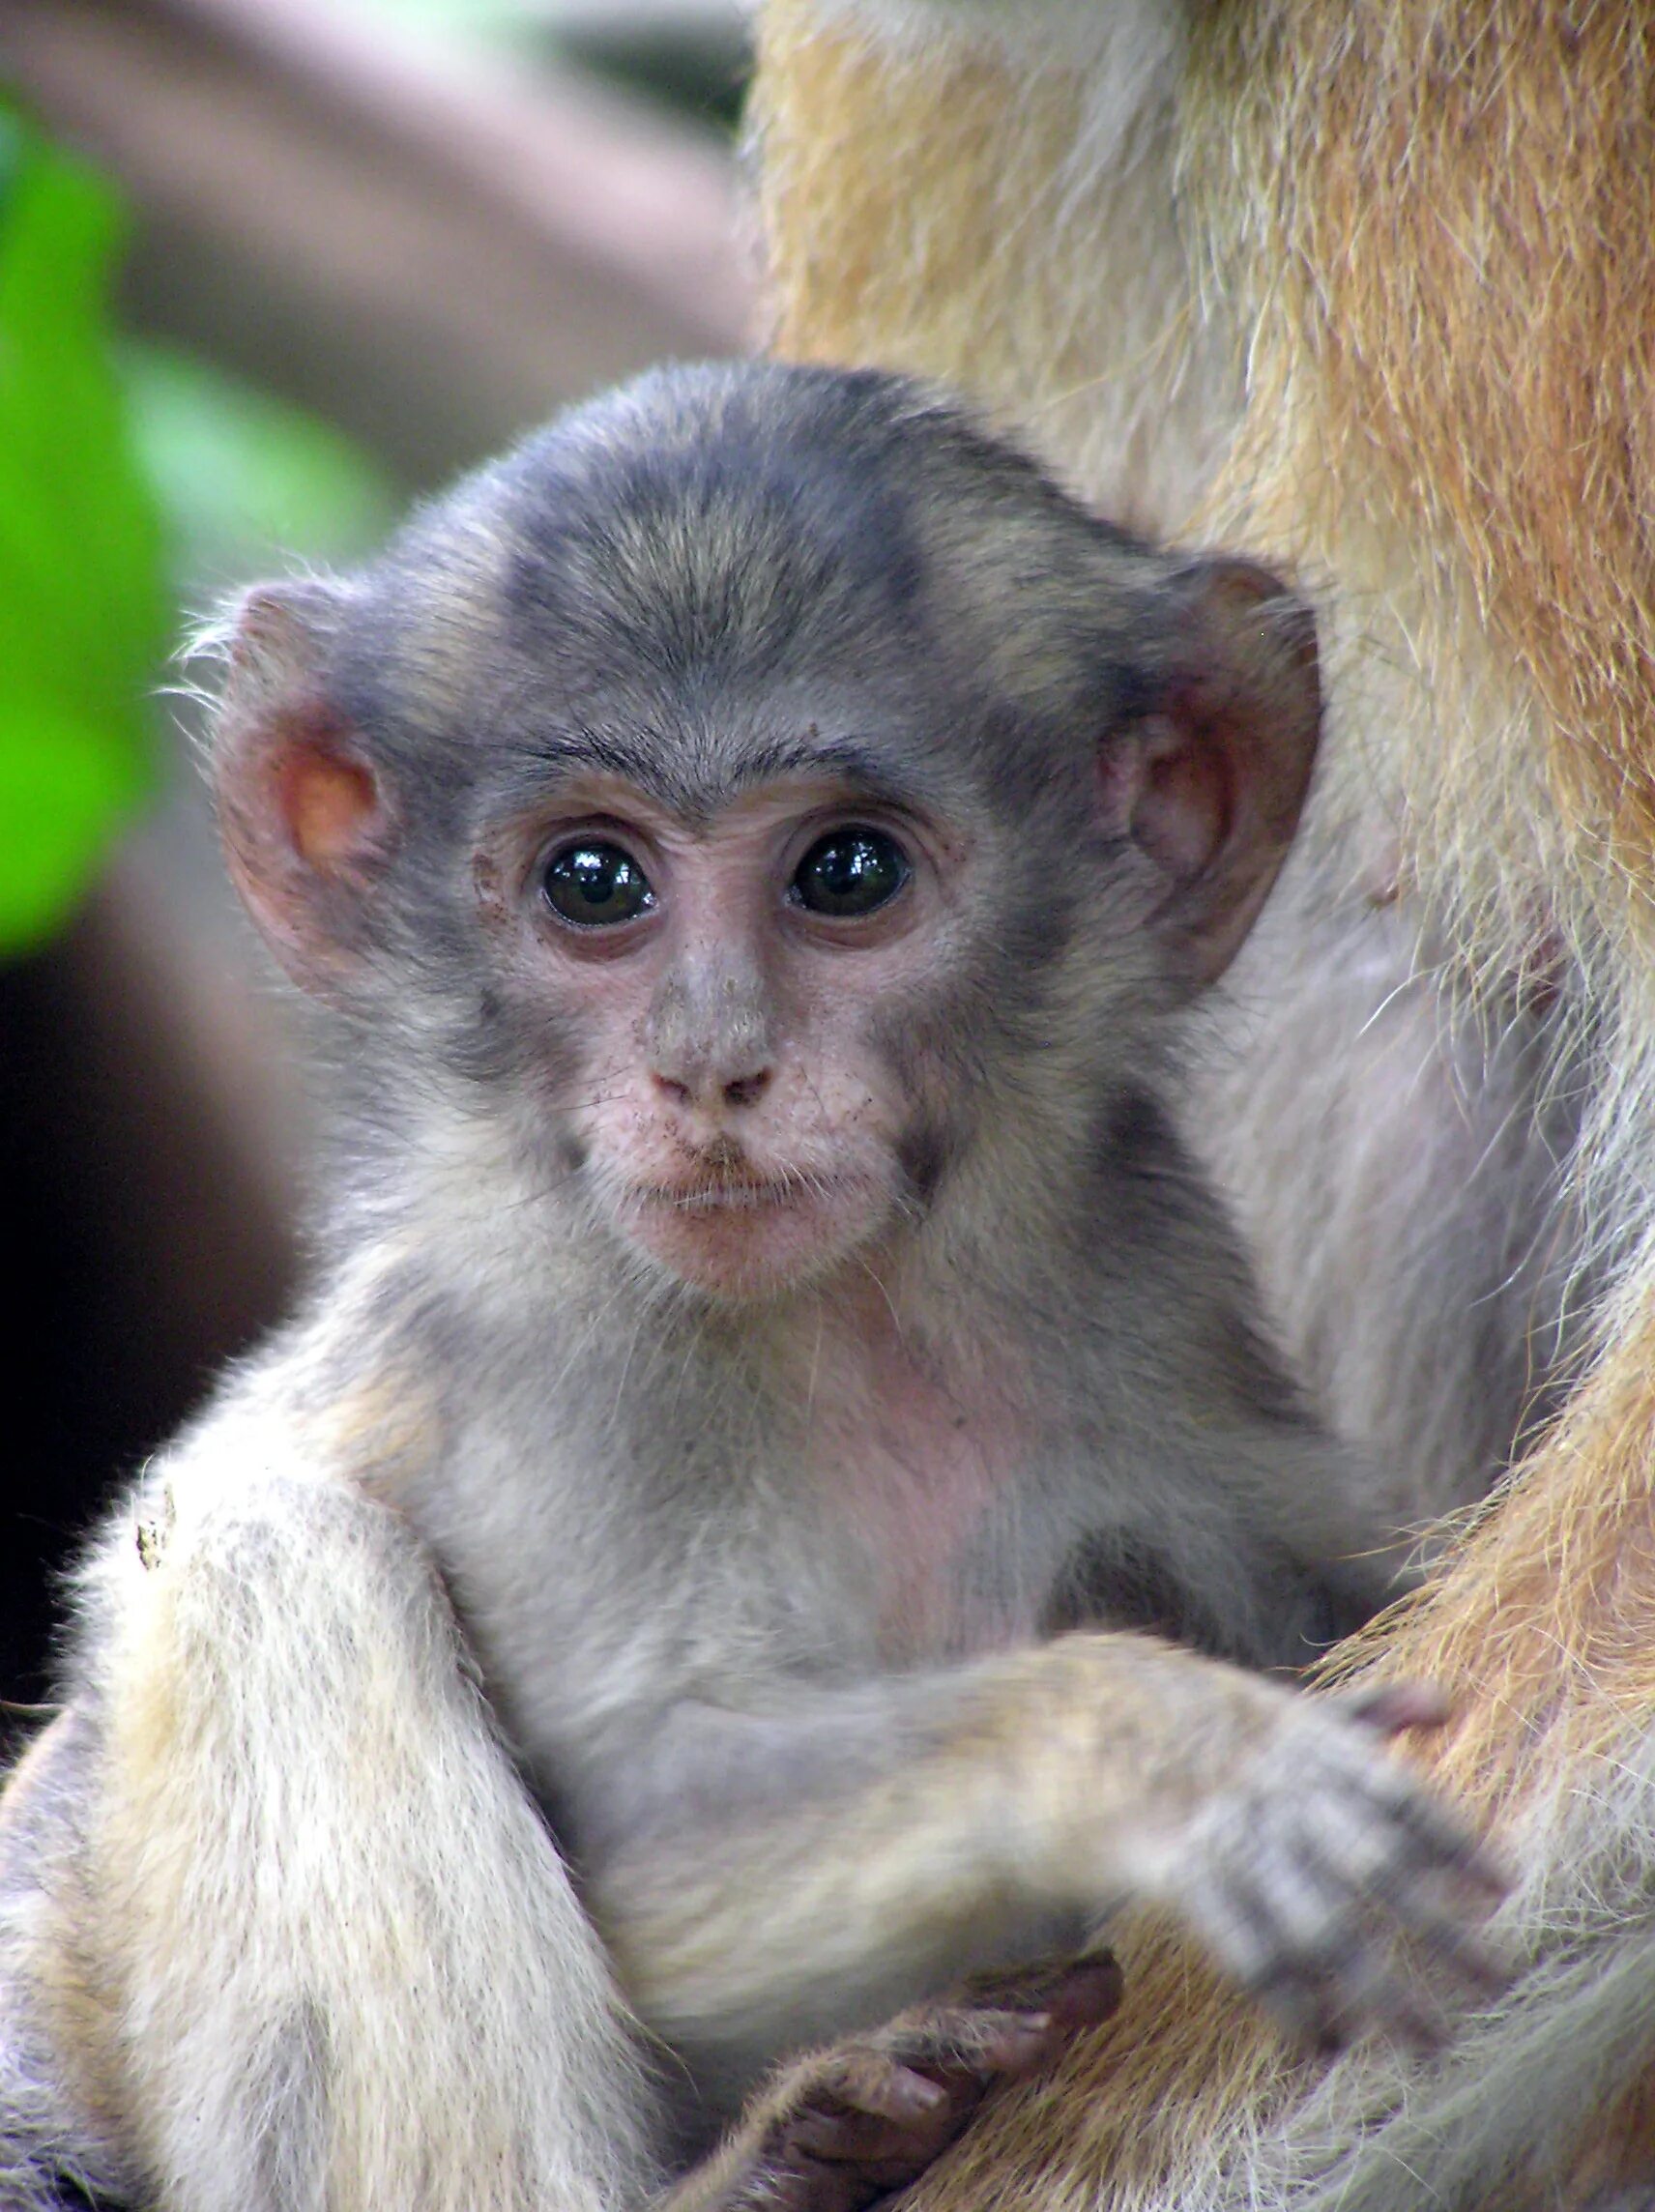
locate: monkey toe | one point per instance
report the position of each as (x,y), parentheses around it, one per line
(861,2128)
(1005,2025)
(1075,1993)
(869,2116)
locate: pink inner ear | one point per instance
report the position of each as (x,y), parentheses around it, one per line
(1168,788)
(329,805)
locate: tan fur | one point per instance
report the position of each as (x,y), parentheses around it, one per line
(1428,228)
(902,198)
(1456,208)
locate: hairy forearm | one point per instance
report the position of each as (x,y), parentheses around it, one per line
(972,1818)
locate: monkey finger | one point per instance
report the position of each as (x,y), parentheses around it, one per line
(1303,2003)
(1019,2042)
(1371,1997)
(1381,1837)
(995,2028)
(867,2140)
(1391,1709)
(809,2185)
(1347,1863)
(1304,1912)
(1330,1985)
(1438,1841)
(1083,1995)
(884,2089)
(1291,1982)
(1393,1829)
(1295,1931)
(1077,1992)
(1321,1902)
(1331,2000)
(979,2044)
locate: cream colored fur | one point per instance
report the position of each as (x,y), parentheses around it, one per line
(359,1769)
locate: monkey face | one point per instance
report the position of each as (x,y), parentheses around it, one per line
(742,798)
(725,981)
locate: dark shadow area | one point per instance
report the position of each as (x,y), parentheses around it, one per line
(144,1254)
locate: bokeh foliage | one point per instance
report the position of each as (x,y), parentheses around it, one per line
(248,481)
(135,481)
(84,605)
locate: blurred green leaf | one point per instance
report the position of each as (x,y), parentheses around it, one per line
(248,481)
(84,611)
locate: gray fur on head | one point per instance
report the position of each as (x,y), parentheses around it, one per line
(719,572)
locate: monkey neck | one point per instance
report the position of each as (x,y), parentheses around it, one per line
(912,1427)
(876,1343)
(915,1345)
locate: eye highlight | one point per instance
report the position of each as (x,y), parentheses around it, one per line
(849,872)
(593,885)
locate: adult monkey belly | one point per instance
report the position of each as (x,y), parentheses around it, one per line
(1362,288)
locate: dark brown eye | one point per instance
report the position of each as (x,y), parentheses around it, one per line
(849,872)
(593,885)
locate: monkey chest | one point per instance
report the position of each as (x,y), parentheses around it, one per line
(923,1506)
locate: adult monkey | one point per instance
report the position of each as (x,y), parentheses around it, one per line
(1365,285)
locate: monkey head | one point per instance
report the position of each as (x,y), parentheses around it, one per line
(769,804)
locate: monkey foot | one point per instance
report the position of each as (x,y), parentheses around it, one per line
(849,2125)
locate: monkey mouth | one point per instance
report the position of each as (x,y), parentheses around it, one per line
(741,1233)
(725,1193)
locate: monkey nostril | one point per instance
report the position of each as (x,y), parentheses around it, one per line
(740,1091)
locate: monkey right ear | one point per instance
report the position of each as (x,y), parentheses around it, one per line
(306,819)
(1209,782)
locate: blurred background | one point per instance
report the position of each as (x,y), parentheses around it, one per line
(267,268)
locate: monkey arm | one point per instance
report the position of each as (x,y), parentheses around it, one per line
(279,1925)
(331,1950)
(1009,1806)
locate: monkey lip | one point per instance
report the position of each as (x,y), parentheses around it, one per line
(746,1235)
(732,1193)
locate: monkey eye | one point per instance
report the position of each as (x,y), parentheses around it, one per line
(594,884)
(849,872)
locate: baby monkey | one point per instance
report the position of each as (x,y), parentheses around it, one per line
(757,841)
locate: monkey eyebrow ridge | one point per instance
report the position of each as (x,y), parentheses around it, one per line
(701,780)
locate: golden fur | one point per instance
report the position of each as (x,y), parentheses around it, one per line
(913,200)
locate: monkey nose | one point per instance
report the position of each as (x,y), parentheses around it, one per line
(747,1090)
(716,1089)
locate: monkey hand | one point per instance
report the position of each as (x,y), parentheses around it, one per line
(847,2125)
(1305,1874)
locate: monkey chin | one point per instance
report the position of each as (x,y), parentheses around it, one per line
(747,1240)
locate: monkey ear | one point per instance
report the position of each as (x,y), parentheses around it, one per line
(1210,782)
(305,817)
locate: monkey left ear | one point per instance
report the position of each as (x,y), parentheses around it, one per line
(306,818)
(1210,782)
